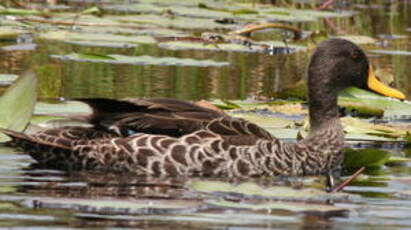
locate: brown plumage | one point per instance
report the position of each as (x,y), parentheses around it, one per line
(172,137)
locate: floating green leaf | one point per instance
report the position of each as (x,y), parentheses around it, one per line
(180,45)
(17,104)
(177,22)
(392,107)
(358,126)
(358,39)
(73,36)
(9,33)
(119,206)
(365,158)
(138,60)
(63,108)
(250,189)
(360,108)
(290,14)
(394,160)
(277,205)
(91,10)
(392,52)
(94,56)
(15,11)
(7,79)
(103,44)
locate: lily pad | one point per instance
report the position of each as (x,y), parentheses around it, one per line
(73,36)
(62,109)
(395,160)
(103,44)
(7,79)
(119,206)
(138,60)
(290,14)
(365,158)
(358,126)
(169,8)
(392,107)
(360,109)
(9,33)
(392,36)
(202,217)
(174,22)
(273,192)
(358,39)
(392,52)
(179,45)
(15,114)
(15,11)
(277,205)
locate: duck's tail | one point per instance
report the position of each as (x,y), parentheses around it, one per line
(15,136)
(44,151)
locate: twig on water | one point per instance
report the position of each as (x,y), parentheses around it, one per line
(252,28)
(348,180)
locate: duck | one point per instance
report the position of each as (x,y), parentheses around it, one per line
(171,137)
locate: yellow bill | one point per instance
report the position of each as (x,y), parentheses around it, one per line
(375,85)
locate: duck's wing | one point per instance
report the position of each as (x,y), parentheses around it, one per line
(153,116)
(165,116)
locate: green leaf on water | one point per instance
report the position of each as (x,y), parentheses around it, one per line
(176,22)
(280,205)
(185,45)
(7,206)
(138,60)
(356,126)
(244,11)
(394,160)
(392,52)
(17,104)
(67,36)
(91,10)
(15,11)
(360,108)
(7,79)
(231,104)
(358,39)
(369,158)
(392,107)
(94,56)
(119,206)
(253,189)
(66,108)
(9,33)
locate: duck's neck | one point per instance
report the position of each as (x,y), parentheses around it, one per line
(323,109)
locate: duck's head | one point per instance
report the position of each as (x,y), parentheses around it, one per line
(337,64)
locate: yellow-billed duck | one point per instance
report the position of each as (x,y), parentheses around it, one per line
(172,137)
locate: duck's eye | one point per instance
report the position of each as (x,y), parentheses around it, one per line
(355,55)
